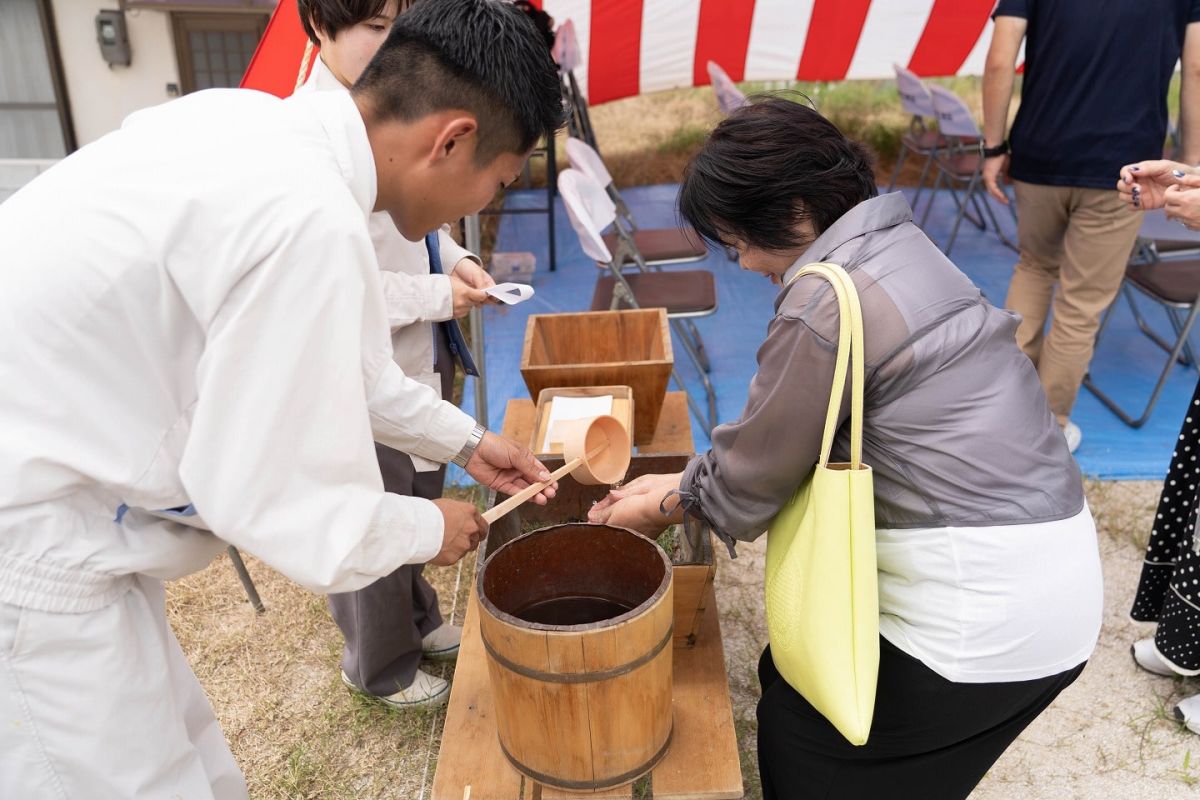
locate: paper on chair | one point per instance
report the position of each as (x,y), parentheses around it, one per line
(563,409)
(510,293)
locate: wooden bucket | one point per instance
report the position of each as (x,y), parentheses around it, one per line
(577,624)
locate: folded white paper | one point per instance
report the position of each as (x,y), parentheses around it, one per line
(510,293)
(563,409)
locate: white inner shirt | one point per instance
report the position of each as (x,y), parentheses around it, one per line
(993,604)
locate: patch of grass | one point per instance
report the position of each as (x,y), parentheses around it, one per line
(685,139)
(747,738)
(1189,771)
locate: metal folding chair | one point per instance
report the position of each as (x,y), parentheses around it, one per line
(960,166)
(566,55)
(685,294)
(920,138)
(1175,285)
(657,246)
(729,97)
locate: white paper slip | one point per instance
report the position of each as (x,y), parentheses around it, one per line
(510,293)
(563,409)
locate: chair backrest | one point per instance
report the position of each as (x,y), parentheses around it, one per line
(584,158)
(729,97)
(914,94)
(566,47)
(590,210)
(953,116)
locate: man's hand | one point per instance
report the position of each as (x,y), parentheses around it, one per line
(465,297)
(507,467)
(472,274)
(1144,185)
(463,530)
(993,168)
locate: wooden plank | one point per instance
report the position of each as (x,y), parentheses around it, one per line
(470,752)
(703,762)
(673,435)
(693,584)
(518,420)
(674,432)
(620,793)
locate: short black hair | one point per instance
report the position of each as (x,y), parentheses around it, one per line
(767,167)
(332,17)
(482,56)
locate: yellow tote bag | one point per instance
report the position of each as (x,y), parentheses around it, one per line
(821,577)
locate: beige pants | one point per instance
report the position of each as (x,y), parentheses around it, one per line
(1079,239)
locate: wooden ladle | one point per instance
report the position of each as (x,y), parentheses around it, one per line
(598,451)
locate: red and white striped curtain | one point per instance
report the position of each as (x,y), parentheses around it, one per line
(630,47)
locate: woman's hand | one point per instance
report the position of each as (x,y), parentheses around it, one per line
(636,505)
(1182,202)
(1144,185)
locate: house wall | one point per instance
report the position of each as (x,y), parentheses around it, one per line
(101,96)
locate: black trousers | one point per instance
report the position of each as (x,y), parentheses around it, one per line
(383,623)
(931,739)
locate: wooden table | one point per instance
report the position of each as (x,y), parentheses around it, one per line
(702,762)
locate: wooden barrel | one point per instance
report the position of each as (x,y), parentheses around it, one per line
(577,622)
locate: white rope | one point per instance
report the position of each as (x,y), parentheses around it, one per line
(305,61)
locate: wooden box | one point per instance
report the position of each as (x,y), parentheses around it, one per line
(622,409)
(603,348)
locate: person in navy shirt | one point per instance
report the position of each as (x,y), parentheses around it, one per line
(1089,105)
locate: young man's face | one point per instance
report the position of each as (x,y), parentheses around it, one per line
(348,55)
(455,187)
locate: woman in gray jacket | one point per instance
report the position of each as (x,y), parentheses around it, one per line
(989,575)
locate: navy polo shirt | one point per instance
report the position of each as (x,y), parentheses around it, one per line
(1094,97)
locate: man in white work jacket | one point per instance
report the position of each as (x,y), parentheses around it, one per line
(190,313)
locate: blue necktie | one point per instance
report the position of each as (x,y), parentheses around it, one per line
(458,344)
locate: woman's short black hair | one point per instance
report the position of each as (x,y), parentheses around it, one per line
(332,17)
(768,167)
(483,56)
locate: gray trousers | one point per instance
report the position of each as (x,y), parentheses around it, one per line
(383,623)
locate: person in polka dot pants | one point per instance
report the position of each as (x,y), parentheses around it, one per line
(1169,590)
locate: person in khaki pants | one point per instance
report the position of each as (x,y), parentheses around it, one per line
(1086,110)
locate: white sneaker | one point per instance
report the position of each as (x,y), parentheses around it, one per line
(426,691)
(1188,712)
(1073,435)
(442,644)
(1146,655)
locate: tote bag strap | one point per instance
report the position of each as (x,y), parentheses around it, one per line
(849,354)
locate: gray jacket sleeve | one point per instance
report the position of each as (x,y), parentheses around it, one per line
(758,462)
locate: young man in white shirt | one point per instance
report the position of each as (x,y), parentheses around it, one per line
(191,313)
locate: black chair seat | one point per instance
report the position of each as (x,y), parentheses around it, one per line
(1176,281)
(692,291)
(1175,245)
(663,244)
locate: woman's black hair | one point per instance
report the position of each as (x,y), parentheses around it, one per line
(768,167)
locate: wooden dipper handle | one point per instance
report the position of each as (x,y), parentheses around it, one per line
(496,512)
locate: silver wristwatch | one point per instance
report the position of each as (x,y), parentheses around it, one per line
(468,449)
